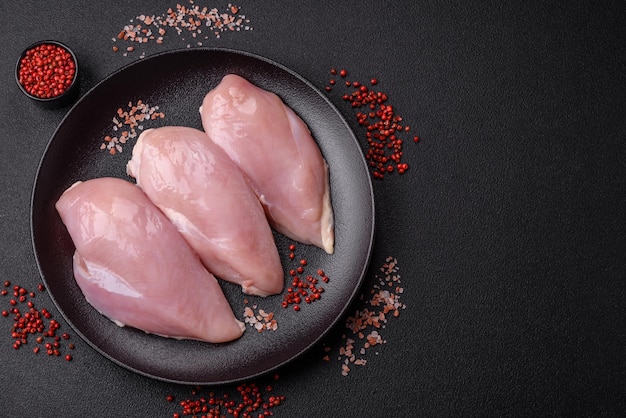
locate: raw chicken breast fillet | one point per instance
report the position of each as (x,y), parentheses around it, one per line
(280,158)
(134,267)
(204,194)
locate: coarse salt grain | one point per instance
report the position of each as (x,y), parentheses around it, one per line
(259,319)
(182,19)
(129,121)
(366,323)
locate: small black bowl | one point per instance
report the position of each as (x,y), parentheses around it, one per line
(61,100)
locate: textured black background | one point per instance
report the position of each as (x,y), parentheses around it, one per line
(508,227)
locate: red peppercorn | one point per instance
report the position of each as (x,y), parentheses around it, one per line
(382,125)
(46,70)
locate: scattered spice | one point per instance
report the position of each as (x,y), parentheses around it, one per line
(198,22)
(249,400)
(30,323)
(305,288)
(128,122)
(365,325)
(259,319)
(384,129)
(46,70)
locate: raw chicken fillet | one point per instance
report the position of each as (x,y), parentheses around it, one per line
(134,267)
(275,150)
(205,195)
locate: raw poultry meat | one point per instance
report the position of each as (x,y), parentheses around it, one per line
(134,267)
(204,194)
(280,158)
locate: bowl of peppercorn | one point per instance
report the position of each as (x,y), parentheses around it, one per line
(47,72)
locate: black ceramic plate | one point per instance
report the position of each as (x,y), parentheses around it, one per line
(177,82)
